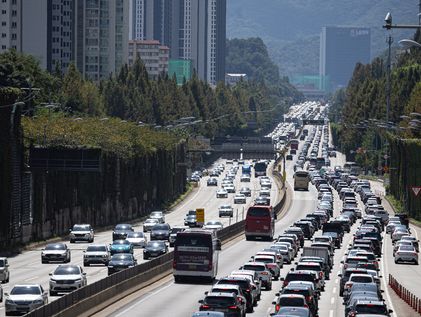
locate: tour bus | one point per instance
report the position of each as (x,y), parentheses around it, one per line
(293,144)
(196,255)
(301,180)
(352,168)
(260,169)
(260,222)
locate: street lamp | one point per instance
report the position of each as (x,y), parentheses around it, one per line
(407,44)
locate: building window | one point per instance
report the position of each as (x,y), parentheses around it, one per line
(3,35)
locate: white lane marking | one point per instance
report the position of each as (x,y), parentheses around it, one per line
(385,283)
(31,279)
(332,300)
(143,299)
(334,290)
(415,230)
(336,280)
(330,313)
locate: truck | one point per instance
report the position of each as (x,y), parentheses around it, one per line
(294,144)
(246,169)
(320,253)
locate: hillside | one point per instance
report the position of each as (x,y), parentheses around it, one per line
(291,28)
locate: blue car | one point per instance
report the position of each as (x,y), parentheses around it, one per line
(121,246)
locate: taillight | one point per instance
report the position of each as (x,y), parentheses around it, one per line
(248,290)
(309,298)
(204,306)
(264,273)
(305,305)
(174,264)
(320,275)
(286,283)
(232,307)
(277,307)
(210,266)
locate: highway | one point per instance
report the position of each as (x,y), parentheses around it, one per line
(26,267)
(165,298)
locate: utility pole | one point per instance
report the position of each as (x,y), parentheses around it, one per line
(388,86)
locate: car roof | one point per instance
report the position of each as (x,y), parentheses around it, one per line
(220,294)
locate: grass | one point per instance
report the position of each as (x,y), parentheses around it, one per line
(396,204)
(181,197)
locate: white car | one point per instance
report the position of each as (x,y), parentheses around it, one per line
(245,178)
(96,254)
(226,211)
(264,193)
(4,270)
(398,234)
(55,252)
(25,298)
(239,199)
(67,278)
(213,225)
(406,253)
(221,193)
(230,188)
(158,215)
(82,232)
(137,239)
(149,223)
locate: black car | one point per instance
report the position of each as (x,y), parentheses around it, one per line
(173,234)
(121,230)
(154,249)
(161,231)
(120,262)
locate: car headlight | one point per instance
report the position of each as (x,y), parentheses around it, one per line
(78,280)
(38,302)
(104,255)
(53,280)
(9,302)
(110,266)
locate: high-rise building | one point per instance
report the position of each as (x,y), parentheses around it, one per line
(10,21)
(101,40)
(154,55)
(193,30)
(340,49)
(48,32)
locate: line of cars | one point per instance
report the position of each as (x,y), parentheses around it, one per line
(360,284)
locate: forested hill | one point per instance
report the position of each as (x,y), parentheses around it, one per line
(250,56)
(291,28)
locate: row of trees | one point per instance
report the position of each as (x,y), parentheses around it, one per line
(250,107)
(364,100)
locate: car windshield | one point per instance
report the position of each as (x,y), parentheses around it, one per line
(66,270)
(406,248)
(81,228)
(25,290)
(291,301)
(96,248)
(156,214)
(190,217)
(121,257)
(212,223)
(156,244)
(161,227)
(220,301)
(121,242)
(1,263)
(135,235)
(175,230)
(264,260)
(151,221)
(258,212)
(371,309)
(251,267)
(361,279)
(123,227)
(58,246)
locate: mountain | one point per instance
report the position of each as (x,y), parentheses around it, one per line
(291,28)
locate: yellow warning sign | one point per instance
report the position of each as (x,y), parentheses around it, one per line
(200,216)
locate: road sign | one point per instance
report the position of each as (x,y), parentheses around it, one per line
(416,190)
(200,216)
(386,169)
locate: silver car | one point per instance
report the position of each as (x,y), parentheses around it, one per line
(4,270)
(406,253)
(137,239)
(96,254)
(25,298)
(55,252)
(149,223)
(67,278)
(82,232)
(226,211)
(158,215)
(239,199)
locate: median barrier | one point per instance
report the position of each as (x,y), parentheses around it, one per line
(100,294)
(406,295)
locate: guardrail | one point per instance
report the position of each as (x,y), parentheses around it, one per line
(98,295)
(405,294)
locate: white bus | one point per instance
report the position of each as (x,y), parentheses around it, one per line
(301,180)
(196,255)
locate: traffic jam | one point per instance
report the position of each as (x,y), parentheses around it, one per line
(308,246)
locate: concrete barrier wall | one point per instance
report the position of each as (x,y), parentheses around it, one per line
(96,296)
